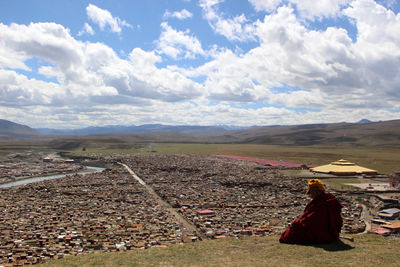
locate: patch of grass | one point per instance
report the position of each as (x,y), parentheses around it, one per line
(12,148)
(295,173)
(341,183)
(366,250)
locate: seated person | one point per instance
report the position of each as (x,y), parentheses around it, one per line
(321,221)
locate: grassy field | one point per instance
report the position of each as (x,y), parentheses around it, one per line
(11,148)
(383,160)
(366,250)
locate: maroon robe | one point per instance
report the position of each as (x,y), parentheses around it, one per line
(320,223)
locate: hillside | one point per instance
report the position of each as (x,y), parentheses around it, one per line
(141,129)
(385,133)
(362,134)
(382,134)
(9,128)
(377,134)
(366,250)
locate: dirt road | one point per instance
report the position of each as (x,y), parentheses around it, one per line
(188,227)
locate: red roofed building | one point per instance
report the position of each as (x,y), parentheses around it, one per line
(206,212)
(47,159)
(394,226)
(379,231)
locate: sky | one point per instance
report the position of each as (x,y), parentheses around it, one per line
(74,64)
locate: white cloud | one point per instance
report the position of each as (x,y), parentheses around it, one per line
(20,91)
(51,72)
(375,23)
(324,72)
(377,47)
(234,29)
(178,44)
(147,81)
(311,9)
(104,18)
(48,41)
(144,60)
(265,5)
(238,28)
(85,71)
(191,113)
(86,29)
(328,69)
(183,14)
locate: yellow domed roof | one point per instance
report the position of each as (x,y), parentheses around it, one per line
(343,166)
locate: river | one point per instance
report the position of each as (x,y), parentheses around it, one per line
(50,177)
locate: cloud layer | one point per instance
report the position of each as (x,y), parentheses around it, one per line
(293,73)
(103,19)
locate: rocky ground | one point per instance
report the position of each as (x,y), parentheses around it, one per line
(111,211)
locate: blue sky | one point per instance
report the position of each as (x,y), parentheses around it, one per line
(72,64)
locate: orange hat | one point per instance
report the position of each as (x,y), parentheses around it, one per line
(315,183)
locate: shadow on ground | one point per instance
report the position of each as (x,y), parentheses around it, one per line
(335,246)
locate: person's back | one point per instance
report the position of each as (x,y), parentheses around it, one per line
(321,221)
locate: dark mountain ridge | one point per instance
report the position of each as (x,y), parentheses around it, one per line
(141,129)
(386,133)
(382,134)
(9,128)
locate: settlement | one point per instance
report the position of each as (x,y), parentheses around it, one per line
(112,211)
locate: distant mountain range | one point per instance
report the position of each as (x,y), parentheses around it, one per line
(146,128)
(363,121)
(362,133)
(9,128)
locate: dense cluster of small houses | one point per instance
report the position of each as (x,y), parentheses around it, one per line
(106,211)
(111,211)
(13,171)
(246,198)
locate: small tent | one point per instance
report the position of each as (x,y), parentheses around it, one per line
(343,167)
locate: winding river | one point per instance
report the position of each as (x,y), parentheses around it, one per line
(50,177)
